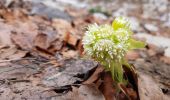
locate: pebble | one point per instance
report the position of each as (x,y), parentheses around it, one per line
(151,27)
(100,15)
(135,25)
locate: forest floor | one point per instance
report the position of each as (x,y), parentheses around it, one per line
(41,51)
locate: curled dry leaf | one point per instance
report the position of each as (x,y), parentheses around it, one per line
(42,41)
(107,87)
(95,75)
(71,39)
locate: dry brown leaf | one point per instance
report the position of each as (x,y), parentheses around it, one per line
(94,76)
(17,23)
(107,87)
(55,63)
(151,52)
(76,12)
(149,89)
(4,63)
(22,41)
(132,55)
(132,94)
(42,41)
(55,46)
(62,26)
(84,92)
(71,39)
(131,75)
(41,52)
(18,54)
(11,15)
(5,53)
(7,15)
(165,59)
(125,91)
(11,53)
(70,54)
(5,31)
(80,48)
(154,50)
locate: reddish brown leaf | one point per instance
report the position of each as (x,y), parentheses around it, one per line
(21,41)
(62,26)
(131,75)
(55,46)
(94,76)
(70,39)
(41,52)
(42,41)
(124,90)
(80,48)
(107,87)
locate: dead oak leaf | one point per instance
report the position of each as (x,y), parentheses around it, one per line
(5,31)
(42,41)
(95,75)
(12,53)
(70,54)
(61,25)
(71,39)
(6,52)
(22,41)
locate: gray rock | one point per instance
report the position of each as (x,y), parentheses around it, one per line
(49,12)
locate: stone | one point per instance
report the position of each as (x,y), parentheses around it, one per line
(100,15)
(151,27)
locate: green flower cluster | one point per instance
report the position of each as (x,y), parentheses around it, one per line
(108,45)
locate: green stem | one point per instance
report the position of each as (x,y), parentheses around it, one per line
(117,71)
(112,69)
